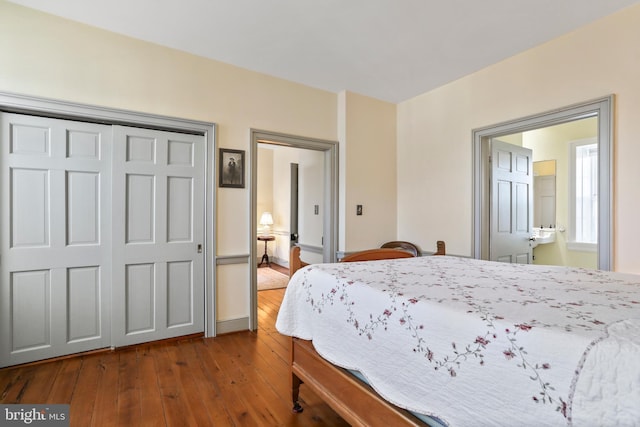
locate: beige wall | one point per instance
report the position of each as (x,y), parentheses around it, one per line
(45,56)
(367,135)
(434,129)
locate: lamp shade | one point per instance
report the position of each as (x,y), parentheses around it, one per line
(266,219)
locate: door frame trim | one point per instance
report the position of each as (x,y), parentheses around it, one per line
(330,203)
(24,104)
(603,108)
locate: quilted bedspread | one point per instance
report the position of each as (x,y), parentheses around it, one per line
(478,343)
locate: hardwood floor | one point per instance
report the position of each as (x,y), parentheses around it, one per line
(239,379)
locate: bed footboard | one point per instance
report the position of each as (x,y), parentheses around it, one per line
(352,399)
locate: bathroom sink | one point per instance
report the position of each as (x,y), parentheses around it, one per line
(543,236)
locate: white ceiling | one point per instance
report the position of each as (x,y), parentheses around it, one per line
(392,50)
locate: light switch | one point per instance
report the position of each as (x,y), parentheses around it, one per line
(358,209)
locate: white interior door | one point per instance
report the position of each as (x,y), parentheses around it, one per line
(158,274)
(55,263)
(511,203)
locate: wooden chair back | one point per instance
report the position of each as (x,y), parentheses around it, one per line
(400,244)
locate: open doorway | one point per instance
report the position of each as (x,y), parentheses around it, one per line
(271,196)
(290,191)
(564,194)
(598,115)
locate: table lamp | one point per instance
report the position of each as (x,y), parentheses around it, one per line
(266,220)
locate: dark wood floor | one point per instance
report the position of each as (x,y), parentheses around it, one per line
(239,379)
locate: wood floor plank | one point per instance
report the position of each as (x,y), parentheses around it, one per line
(85,393)
(231,379)
(176,407)
(227,389)
(205,385)
(105,409)
(188,387)
(239,379)
(40,385)
(151,408)
(263,400)
(128,391)
(13,383)
(65,382)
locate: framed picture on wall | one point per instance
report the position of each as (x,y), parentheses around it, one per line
(231,168)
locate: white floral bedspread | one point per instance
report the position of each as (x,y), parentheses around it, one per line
(478,343)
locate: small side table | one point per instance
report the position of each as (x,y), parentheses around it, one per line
(265,257)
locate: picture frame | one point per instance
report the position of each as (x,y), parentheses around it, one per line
(231,168)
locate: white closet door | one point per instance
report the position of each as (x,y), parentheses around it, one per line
(55,248)
(158,210)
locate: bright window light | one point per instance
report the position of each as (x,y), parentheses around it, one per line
(583,227)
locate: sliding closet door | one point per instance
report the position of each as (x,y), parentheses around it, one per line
(101,236)
(158,280)
(55,263)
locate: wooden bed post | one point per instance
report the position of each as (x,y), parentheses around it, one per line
(295,263)
(295,380)
(294,260)
(295,392)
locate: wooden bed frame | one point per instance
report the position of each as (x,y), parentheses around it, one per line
(352,399)
(356,402)
(397,251)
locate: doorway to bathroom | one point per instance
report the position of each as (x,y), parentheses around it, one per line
(571,191)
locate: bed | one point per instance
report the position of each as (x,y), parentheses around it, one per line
(463,342)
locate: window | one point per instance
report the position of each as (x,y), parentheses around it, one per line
(583,195)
